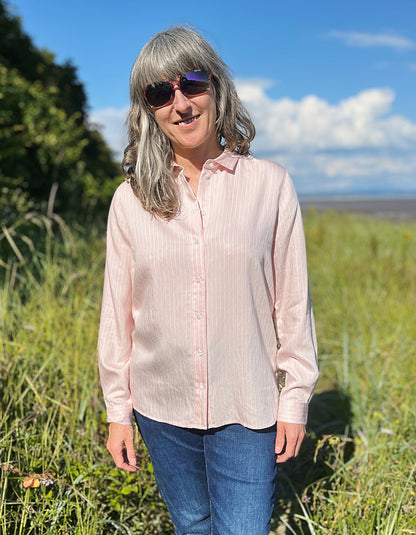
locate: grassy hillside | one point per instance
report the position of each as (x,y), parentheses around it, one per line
(355,473)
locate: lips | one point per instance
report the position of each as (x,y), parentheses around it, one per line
(188,121)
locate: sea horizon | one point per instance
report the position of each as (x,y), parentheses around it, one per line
(357,195)
(387,205)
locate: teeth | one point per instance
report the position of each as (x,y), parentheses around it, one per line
(187,121)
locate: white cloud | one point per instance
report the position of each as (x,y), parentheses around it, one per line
(373,40)
(357,143)
(361,121)
(111,123)
(363,165)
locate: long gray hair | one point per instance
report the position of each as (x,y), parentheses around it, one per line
(147,162)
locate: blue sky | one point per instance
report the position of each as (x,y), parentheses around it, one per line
(330,84)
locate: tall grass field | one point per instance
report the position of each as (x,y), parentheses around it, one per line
(357,468)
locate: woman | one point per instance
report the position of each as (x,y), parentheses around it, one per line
(205,256)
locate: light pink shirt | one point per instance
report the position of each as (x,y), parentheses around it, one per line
(187,334)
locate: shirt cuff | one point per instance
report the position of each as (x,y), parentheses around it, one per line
(120,414)
(292,412)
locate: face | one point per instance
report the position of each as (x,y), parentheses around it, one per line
(189,123)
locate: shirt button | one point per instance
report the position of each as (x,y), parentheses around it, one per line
(199,353)
(203,212)
(196,241)
(198,280)
(201,386)
(199,316)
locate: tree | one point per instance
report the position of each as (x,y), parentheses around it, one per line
(44,136)
(18,52)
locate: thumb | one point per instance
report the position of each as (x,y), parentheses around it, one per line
(131,454)
(280,439)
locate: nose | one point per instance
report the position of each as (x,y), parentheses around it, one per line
(180,101)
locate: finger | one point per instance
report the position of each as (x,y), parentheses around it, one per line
(281,458)
(131,454)
(299,443)
(280,441)
(127,467)
(288,452)
(121,463)
(293,444)
(118,452)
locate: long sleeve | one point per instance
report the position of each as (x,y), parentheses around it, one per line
(116,325)
(297,355)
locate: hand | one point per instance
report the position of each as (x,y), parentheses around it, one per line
(120,444)
(288,440)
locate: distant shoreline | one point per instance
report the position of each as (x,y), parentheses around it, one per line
(388,208)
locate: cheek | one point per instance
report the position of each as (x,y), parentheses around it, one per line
(161,119)
(213,110)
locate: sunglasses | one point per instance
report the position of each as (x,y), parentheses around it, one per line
(191,84)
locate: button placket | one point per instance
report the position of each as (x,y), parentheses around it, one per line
(199,327)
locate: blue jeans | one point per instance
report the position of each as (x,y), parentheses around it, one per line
(214,482)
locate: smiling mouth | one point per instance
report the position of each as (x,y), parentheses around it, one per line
(187,121)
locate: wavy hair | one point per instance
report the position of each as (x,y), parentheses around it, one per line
(148,158)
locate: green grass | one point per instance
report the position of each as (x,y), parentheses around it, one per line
(356,472)
(52,417)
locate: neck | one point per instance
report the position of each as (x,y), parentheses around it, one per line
(193,160)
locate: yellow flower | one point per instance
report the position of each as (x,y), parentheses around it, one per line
(31,482)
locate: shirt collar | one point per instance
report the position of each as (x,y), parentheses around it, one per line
(227,160)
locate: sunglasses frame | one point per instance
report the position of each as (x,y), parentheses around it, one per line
(177,85)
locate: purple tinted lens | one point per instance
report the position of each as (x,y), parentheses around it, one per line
(194,82)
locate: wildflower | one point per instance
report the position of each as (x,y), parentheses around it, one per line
(31,482)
